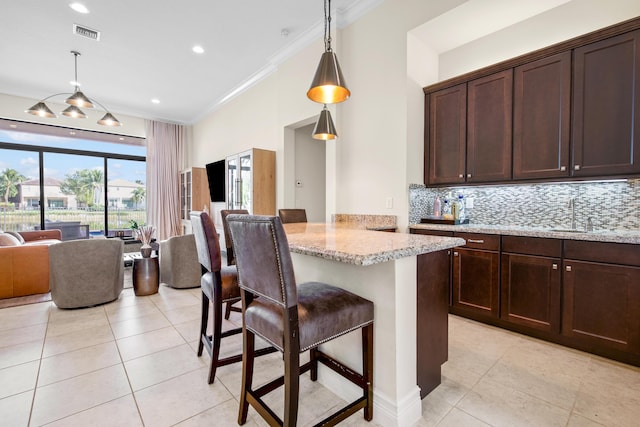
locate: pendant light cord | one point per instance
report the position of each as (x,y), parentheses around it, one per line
(327,26)
(75,57)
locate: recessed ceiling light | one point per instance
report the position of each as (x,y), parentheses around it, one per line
(121,139)
(72,133)
(155,101)
(198,49)
(13,126)
(79,7)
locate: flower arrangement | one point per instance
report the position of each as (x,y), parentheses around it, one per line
(145,233)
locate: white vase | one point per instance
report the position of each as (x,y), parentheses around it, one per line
(146,250)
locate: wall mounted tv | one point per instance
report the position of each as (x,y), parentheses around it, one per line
(216,176)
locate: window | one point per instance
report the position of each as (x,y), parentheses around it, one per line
(54,177)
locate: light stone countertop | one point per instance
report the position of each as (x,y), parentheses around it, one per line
(341,243)
(622,236)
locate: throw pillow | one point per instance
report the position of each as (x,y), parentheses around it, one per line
(17,236)
(8,240)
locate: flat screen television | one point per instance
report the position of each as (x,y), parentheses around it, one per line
(216,176)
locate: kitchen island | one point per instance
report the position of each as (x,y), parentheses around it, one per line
(382,267)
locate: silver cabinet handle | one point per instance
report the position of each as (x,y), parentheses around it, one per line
(563,168)
(576,167)
(568,268)
(554,266)
(455,254)
(475,241)
(468,175)
(461,176)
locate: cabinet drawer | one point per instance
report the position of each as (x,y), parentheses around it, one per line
(432,232)
(489,242)
(614,253)
(532,246)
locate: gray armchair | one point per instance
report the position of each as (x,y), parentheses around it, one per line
(179,265)
(83,273)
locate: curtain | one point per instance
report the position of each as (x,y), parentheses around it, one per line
(165,147)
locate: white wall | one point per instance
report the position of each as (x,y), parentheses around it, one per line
(380,149)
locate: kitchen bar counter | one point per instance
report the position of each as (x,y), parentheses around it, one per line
(381,267)
(623,236)
(338,242)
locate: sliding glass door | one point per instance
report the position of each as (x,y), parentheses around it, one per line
(19,190)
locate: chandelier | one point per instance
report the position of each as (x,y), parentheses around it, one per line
(76,100)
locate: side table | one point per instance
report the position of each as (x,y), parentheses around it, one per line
(145,276)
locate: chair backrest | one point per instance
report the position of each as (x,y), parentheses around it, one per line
(207,241)
(263,258)
(231,259)
(86,272)
(292,215)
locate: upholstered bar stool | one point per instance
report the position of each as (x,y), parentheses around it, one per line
(219,285)
(293,319)
(231,259)
(292,215)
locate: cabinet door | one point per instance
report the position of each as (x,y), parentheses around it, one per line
(606,107)
(489,124)
(530,290)
(476,282)
(601,305)
(447,135)
(541,108)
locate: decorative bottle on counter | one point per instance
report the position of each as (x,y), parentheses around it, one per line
(437,209)
(462,211)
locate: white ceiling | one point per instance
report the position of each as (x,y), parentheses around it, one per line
(145,49)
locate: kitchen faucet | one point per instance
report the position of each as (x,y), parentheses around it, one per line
(572,206)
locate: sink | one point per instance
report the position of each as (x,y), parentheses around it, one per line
(568,230)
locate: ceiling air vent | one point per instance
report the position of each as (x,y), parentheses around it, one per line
(86,32)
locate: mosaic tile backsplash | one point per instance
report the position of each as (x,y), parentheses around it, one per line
(611,205)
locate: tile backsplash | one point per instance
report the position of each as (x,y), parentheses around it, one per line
(612,205)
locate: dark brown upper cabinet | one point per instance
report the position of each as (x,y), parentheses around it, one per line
(447,121)
(489,127)
(541,118)
(606,107)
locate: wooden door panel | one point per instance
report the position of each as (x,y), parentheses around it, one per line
(530,289)
(601,305)
(476,281)
(489,128)
(606,107)
(541,123)
(447,135)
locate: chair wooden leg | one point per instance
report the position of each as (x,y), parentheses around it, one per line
(248,356)
(227,310)
(313,359)
(291,387)
(204,319)
(367,369)
(215,339)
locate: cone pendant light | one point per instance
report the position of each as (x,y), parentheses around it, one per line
(324,128)
(328,85)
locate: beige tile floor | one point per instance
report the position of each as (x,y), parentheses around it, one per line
(132,363)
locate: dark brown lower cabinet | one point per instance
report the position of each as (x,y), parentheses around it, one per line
(475,277)
(432,318)
(582,294)
(602,306)
(530,282)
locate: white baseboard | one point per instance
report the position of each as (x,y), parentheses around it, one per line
(387,413)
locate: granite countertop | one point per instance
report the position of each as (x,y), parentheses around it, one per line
(620,236)
(338,242)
